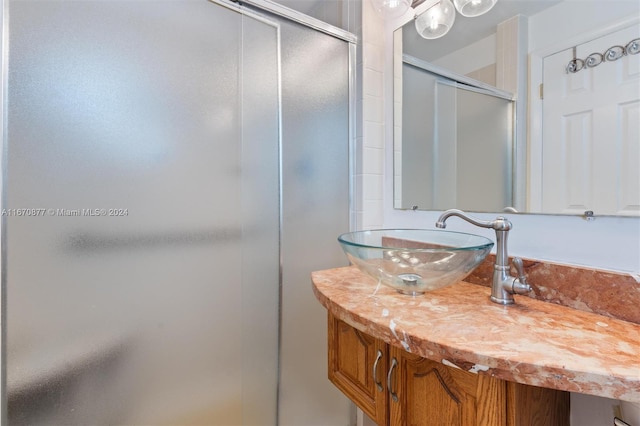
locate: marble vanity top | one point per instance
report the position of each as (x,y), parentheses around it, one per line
(532,342)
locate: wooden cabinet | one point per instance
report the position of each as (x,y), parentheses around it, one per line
(357,366)
(394,387)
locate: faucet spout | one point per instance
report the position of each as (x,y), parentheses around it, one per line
(500,223)
(504,286)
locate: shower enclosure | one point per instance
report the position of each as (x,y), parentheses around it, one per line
(171,175)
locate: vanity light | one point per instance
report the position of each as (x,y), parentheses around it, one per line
(471,8)
(436,21)
(391,8)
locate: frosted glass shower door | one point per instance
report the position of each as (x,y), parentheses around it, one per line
(142,230)
(475,149)
(457,145)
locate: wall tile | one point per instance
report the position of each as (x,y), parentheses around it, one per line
(372,187)
(372,214)
(374,82)
(373,107)
(373,115)
(372,160)
(373,56)
(375,135)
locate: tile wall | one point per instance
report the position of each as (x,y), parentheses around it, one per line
(370,134)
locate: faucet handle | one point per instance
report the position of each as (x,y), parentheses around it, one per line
(517,263)
(520,284)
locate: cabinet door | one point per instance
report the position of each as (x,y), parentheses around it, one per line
(535,406)
(357,366)
(424,392)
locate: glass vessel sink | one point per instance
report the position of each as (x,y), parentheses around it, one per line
(414,261)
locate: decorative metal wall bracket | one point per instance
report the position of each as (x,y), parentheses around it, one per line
(611,54)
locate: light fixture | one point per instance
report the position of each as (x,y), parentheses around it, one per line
(391,8)
(471,8)
(436,21)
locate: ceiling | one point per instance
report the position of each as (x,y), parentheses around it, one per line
(466,29)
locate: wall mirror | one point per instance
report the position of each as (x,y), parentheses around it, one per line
(533,107)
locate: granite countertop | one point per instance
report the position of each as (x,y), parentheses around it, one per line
(532,342)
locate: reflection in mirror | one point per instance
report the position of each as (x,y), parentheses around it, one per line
(456,142)
(576,138)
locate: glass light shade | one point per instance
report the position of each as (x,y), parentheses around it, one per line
(437,20)
(391,8)
(471,8)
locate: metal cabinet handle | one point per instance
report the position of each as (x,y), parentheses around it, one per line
(375,372)
(394,364)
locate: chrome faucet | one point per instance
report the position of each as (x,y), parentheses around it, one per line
(504,285)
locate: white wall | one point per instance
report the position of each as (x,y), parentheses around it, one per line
(472,57)
(571,17)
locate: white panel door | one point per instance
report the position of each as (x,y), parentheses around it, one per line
(591,142)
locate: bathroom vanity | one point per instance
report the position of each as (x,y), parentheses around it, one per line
(452,357)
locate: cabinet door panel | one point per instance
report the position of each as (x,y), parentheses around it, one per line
(352,358)
(535,406)
(432,394)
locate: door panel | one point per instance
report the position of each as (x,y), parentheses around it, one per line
(590,132)
(315,209)
(130,297)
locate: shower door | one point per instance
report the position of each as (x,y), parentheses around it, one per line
(142,214)
(457,142)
